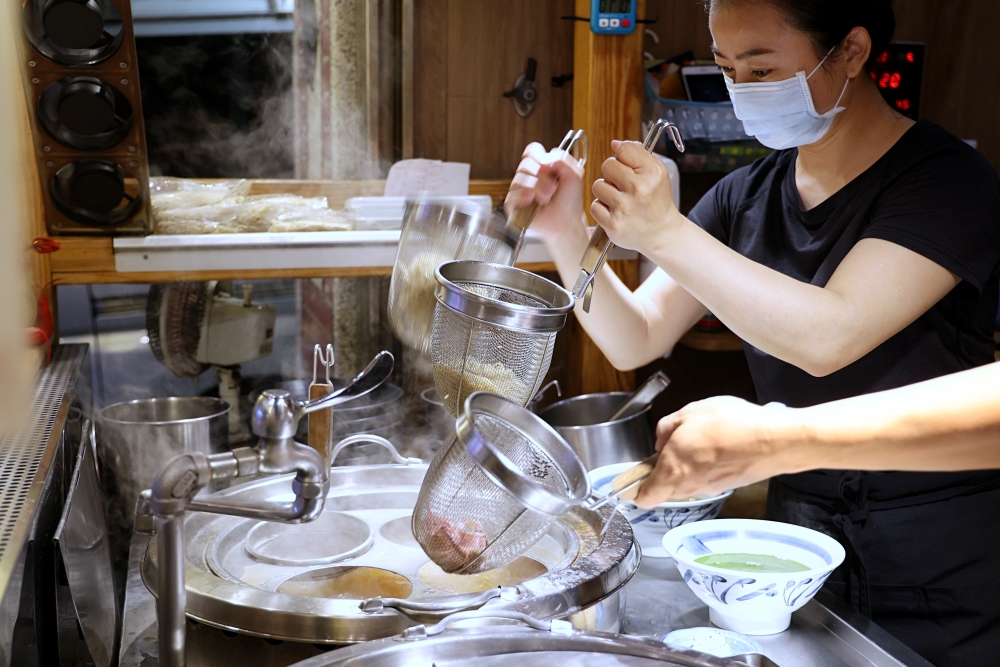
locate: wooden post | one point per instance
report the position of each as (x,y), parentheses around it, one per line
(607,103)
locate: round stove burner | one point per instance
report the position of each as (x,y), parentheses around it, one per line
(93,192)
(328,539)
(72,24)
(73,32)
(85,113)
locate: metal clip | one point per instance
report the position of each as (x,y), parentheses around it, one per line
(325,360)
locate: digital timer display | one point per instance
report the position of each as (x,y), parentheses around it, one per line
(615,6)
(899,74)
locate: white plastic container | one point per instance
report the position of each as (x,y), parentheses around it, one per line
(382,213)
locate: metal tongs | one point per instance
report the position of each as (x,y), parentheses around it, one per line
(574,143)
(600,245)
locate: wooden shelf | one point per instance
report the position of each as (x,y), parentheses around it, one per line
(93,260)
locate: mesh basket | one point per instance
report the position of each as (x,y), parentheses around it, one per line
(469,520)
(494,329)
(436,231)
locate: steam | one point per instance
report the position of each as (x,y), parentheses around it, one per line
(187,137)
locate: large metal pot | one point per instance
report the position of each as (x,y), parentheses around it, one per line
(135,440)
(583,422)
(229,588)
(540,645)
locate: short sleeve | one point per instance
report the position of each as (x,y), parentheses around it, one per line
(714,212)
(945,207)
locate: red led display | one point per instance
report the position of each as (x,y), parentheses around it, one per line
(898,73)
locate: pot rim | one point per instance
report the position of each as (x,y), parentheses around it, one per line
(164,399)
(624,394)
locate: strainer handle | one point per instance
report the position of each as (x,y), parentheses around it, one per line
(443,605)
(600,245)
(554,625)
(376,439)
(370,379)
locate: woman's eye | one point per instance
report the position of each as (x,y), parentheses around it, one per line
(761,73)
(727,70)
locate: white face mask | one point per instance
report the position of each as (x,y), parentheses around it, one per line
(781,114)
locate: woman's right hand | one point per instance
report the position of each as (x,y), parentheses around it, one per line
(554,181)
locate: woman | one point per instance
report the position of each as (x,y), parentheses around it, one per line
(861,256)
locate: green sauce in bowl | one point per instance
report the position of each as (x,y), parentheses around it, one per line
(751,563)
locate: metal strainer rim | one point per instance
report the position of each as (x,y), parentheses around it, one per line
(538,319)
(502,471)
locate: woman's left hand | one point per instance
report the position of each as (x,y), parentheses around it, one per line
(634,204)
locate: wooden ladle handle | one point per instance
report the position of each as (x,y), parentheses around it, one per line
(639,471)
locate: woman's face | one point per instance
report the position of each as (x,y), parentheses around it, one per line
(754,43)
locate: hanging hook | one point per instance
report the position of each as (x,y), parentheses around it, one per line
(326,360)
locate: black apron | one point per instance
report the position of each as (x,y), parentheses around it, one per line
(923,553)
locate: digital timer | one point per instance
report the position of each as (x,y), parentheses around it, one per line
(899,73)
(612,17)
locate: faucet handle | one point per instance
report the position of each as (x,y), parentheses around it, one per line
(277,414)
(371,378)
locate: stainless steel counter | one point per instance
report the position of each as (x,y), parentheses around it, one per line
(824,633)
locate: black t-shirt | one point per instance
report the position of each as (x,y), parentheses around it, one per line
(932,194)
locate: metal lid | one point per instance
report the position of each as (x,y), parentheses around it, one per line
(541,645)
(587,567)
(454,292)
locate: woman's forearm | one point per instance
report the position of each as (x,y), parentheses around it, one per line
(818,329)
(946,424)
(628,327)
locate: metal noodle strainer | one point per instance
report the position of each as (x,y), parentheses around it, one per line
(494,329)
(496,487)
(437,230)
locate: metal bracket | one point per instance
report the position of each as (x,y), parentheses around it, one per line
(524,93)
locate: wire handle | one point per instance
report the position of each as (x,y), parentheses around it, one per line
(600,245)
(575,144)
(326,360)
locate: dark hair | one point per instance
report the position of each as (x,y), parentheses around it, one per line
(829,22)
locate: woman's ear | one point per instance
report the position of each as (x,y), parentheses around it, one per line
(857,49)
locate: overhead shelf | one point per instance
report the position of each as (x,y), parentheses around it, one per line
(150,259)
(227,256)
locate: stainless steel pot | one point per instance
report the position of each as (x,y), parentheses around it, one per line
(135,440)
(230,589)
(582,421)
(540,644)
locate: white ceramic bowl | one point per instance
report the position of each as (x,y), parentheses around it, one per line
(649,526)
(752,603)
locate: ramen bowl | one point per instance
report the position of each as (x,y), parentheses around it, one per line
(748,593)
(649,526)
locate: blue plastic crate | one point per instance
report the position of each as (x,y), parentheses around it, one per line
(709,121)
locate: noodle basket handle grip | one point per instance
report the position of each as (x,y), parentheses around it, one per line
(422,632)
(443,605)
(376,439)
(600,245)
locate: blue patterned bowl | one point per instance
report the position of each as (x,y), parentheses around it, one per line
(649,526)
(753,603)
